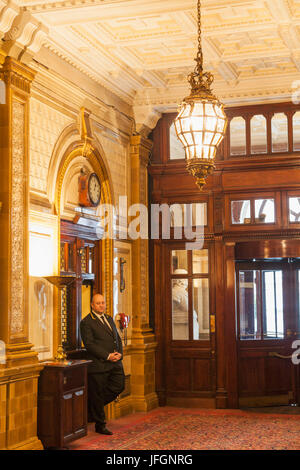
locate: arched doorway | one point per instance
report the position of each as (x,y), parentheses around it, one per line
(82,250)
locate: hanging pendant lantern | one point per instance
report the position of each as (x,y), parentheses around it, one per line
(201,122)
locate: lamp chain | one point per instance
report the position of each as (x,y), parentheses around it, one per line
(200,82)
(199,54)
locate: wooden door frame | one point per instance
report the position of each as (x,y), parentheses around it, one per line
(230,326)
(167,348)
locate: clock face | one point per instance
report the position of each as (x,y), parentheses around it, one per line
(94,189)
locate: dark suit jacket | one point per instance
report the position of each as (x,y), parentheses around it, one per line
(99,342)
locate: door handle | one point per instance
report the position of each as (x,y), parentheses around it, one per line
(275,354)
(212,323)
(290,333)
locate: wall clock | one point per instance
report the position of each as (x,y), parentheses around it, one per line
(89,190)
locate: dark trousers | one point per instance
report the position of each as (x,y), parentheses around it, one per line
(103,388)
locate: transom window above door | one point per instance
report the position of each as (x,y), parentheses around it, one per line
(253,211)
(294,209)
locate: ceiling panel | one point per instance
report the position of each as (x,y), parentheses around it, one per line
(141,46)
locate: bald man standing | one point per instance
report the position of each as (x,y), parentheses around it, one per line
(106,378)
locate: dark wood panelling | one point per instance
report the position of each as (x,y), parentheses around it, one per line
(251,376)
(78,410)
(67,413)
(278,375)
(221,367)
(180,377)
(202,375)
(260,178)
(285,248)
(264,375)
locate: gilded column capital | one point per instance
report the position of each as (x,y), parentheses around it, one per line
(141,147)
(17,75)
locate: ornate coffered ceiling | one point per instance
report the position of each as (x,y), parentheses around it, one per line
(143,50)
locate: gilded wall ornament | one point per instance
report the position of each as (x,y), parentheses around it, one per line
(17,219)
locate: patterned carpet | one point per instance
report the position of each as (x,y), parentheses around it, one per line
(189,429)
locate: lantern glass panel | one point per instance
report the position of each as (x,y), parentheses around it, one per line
(206,153)
(189,139)
(221,125)
(198,138)
(210,123)
(216,139)
(176,147)
(198,109)
(185,123)
(209,110)
(208,138)
(186,110)
(197,123)
(219,111)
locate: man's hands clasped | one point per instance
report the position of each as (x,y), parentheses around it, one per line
(114,357)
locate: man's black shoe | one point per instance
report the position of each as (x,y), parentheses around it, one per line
(103,430)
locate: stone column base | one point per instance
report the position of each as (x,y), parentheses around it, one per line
(30,444)
(143,347)
(123,407)
(145,403)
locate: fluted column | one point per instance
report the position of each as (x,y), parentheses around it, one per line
(143,344)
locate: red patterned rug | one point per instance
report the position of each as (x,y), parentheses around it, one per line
(189,429)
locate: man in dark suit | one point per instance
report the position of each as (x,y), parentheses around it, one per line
(105,373)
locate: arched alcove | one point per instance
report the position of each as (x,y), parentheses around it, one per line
(69,156)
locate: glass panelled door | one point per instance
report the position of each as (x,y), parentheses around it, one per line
(261,304)
(273,325)
(268,294)
(190,294)
(189,339)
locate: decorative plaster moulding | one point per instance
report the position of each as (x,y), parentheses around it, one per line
(142,51)
(8,12)
(112,116)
